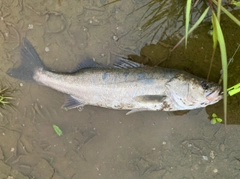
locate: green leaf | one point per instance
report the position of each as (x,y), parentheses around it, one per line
(193,27)
(57,130)
(222,46)
(214,115)
(213,121)
(188,9)
(214,32)
(218,119)
(228,13)
(235,3)
(199,20)
(219,5)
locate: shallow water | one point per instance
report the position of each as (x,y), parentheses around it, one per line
(102,143)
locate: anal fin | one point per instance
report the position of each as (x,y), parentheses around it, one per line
(136,110)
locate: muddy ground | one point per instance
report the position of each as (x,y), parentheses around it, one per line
(102,143)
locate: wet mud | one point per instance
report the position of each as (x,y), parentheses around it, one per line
(102,143)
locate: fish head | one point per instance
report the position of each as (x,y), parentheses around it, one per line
(190,92)
(211,91)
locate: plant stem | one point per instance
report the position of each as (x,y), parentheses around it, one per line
(219,10)
(228,13)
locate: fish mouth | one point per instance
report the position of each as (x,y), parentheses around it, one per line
(215,95)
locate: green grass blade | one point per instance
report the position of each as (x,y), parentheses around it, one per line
(236,3)
(188,9)
(214,34)
(199,21)
(193,27)
(219,9)
(215,41)
(228,13)
(222,46)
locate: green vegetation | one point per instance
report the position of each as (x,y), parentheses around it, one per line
(193,27)
(236,3)
(217,33)
(188,11)
(156,11)
(5,97)
(157,14)
(218,38)
(57,130)
(215,119)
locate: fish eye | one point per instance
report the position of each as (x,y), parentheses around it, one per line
(204,85)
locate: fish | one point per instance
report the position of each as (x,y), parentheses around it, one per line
(123,85)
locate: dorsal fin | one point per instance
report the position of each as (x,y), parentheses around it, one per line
(123,63)
(120,63)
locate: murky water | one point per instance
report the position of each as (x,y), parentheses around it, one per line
(102,143)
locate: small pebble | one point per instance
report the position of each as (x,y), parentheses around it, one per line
(205,157)
(212,155)
(222,147)
(46,49)
(30,26)
(115,38)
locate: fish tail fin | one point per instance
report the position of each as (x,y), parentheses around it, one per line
(30,62)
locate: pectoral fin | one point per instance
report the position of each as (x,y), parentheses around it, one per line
(72,102)
(150,99)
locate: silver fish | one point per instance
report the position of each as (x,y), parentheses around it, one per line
(124,85)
